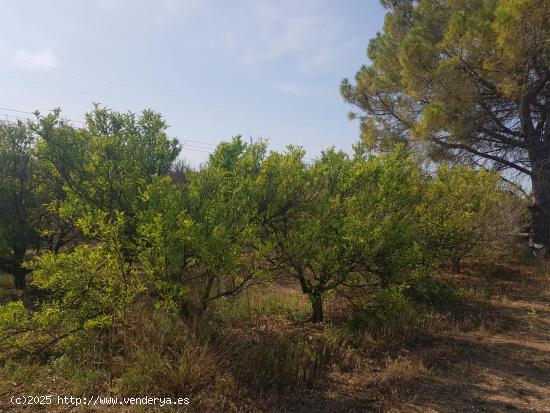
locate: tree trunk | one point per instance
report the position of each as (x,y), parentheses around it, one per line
(455,265)
(17,270)
(541,205)
(317,308)
(385,280)
(19,279)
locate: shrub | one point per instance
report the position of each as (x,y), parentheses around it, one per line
(387,313)
(23,371)
(434,293)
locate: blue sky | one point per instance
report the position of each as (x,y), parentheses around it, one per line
(214,69)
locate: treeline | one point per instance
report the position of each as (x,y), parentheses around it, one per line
(105,217)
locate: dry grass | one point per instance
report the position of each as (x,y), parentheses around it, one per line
(263,301)
(402,369)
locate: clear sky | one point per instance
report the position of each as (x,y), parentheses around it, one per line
(214,69)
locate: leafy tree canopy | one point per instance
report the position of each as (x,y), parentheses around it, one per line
(467,79)
(105,166)
(21,209)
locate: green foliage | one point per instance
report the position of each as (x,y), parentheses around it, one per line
(151,294)
(387,312)
(383,218)
(164,243)
(458,211)
(350,221)
(434,293)
(302,211)
(224,236)
(92,284)
(464,80)
(14,319)
(434,64)
(105,166)
(21,206)
(147,238)
(23,333)
(228,154)
(109,173)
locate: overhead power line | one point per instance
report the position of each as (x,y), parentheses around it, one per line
(31,113)
(203,143)
(186,146)
(117,83)
(135,88)
(194,145)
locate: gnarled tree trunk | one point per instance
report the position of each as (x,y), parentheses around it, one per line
(19,279)
(317,308)
(540,179)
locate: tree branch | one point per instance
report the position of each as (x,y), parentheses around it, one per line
(482,154)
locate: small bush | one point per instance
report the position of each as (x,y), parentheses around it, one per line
(387,313)
(434,293)
(25,373)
